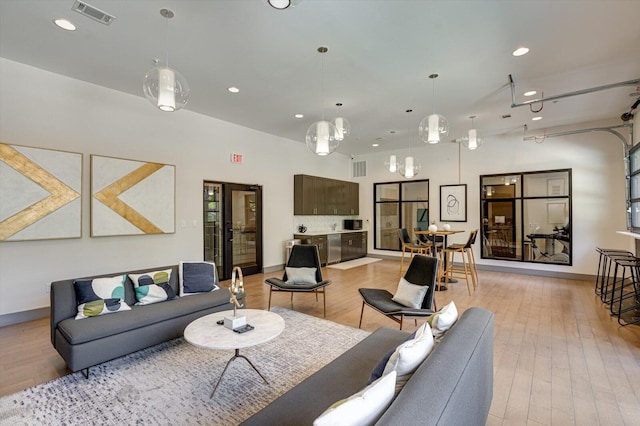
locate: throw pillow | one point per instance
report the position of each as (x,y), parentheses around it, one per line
(100,296)
(152,287)
(410,295)
(301,275)
(197,277)
(442,320)
(409,355)
(362,408)
(378,370)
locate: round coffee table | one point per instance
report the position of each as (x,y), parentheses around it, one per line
(206,333)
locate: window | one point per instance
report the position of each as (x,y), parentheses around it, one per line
(527,216)
(399,205)
(633,182)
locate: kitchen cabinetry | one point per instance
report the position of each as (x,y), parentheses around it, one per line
(318,240)
(314,195)
(354,245)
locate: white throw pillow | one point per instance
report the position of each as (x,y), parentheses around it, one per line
(362,408)
(410,295)
(301,275)
(410,354)
(442,320)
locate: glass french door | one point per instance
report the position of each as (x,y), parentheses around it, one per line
(233,235)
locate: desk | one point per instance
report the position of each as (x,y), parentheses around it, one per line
(445,243)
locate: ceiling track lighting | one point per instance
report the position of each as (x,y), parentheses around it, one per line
(434,126)
(164,87)
(473,141)
(282,4)
(410,167)
(322,136)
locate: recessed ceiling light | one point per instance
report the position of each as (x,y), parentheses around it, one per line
(233,89)
(299,115)
(375,144)
(536,118)
(530,93)
(520,51)
(64,24)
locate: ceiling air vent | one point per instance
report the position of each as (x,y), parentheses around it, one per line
(359,168)
(92,12)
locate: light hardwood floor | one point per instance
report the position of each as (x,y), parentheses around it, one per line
(560,359)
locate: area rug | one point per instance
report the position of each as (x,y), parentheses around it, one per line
(354,263)
(170,384)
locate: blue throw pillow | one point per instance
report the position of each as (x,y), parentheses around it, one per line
(197,277)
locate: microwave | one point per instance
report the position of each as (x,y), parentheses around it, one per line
(352,224)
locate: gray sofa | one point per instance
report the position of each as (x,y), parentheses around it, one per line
(453,386)
(91,341)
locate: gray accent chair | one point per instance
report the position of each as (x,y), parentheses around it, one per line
(423,270)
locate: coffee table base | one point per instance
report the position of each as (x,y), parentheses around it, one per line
(237,355)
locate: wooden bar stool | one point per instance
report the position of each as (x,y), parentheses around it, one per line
(467,269)
(408,246)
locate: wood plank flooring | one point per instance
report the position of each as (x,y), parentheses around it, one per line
(560,359)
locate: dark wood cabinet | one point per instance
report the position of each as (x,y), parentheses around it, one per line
(318,240)
(354,245)
(314,195)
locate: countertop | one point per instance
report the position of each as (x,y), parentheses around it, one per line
(316,233)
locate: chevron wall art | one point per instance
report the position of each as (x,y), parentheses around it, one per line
(40,193)
(131,197)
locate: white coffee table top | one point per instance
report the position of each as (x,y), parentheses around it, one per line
(205,333)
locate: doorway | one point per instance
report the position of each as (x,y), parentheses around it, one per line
(233,227)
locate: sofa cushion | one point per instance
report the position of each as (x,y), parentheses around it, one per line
(301,275)
(363,408)
(197,277)
(152,287)
(77,332)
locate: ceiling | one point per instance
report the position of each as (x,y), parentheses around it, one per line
(380,55)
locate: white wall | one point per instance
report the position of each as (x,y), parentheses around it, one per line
(46,110)
(598,185)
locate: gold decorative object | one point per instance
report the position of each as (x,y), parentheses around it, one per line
(236,288)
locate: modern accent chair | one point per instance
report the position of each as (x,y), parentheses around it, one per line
(299,276)
(423,271)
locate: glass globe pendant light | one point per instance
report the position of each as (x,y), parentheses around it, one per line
(433,126)
(164,87)
(410,167)
(343,127)
(473,141)
(321,136)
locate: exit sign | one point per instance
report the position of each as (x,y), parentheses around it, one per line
(236,158)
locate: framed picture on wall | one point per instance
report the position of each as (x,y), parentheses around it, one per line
(130,197)
(453,203)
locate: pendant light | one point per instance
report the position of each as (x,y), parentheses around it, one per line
(321,135)
(473,141)
(164,87)
(392,164)
(433,126)
(343,127)
(410,167)
(282,4)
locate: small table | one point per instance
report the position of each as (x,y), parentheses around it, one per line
(445,234)
(206,333)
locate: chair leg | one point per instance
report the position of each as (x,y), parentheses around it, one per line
(324,301)
(270,292)
(361,314)
(401,265)
(401,319)
(291,300)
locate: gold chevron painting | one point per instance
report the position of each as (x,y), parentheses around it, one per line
(131,197)
(40,193)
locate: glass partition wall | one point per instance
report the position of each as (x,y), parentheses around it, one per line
(526,216)
(399,205)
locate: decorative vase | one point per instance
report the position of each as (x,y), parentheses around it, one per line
(433,227)
(446,227)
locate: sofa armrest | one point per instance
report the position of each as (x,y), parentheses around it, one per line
(63,304)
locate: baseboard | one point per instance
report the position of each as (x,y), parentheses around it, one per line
(273,268)
(24,316)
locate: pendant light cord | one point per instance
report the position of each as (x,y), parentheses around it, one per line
(166,42)
(459,167)
(322,52)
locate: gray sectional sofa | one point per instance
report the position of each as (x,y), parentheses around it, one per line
(453,386)
(87,342)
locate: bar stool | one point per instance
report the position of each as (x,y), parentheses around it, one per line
(626,288)
(608,282)
(467,269)
(410,247)
(604,266)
